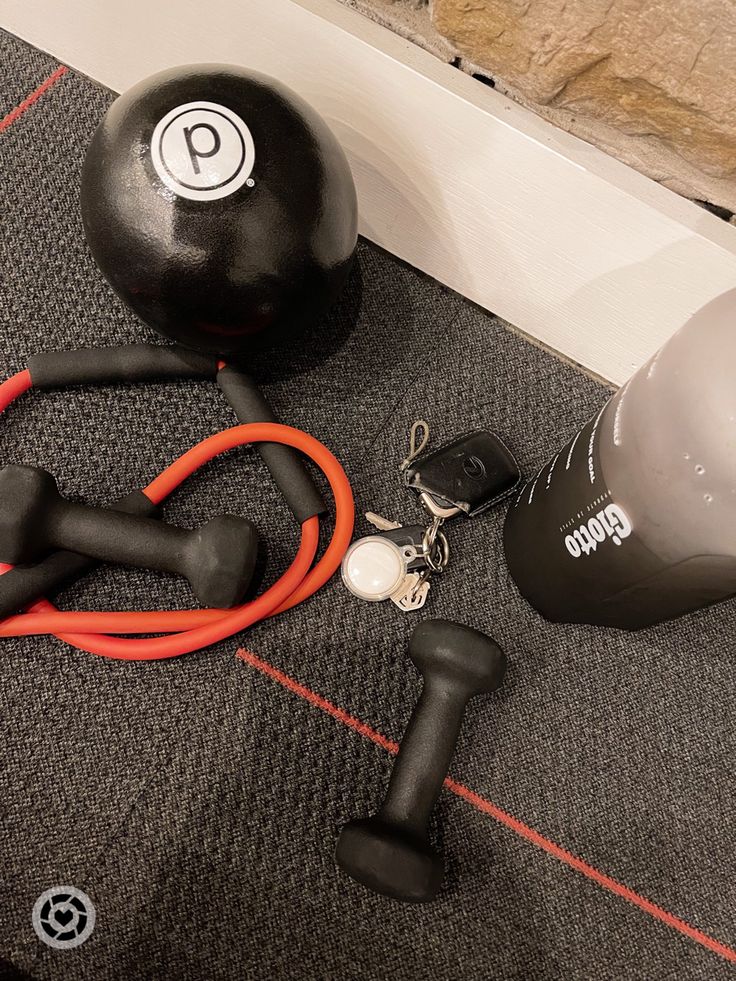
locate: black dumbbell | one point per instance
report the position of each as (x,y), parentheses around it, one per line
(218,559)
(26,583)
(390,852)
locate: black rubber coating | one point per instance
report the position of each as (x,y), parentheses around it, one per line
(218,559)
(110,365)
(286,465)
(391,853)
(259,266)
(26,583)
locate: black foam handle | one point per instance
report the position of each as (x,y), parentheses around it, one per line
(286,465)
(111,365)
(26,583)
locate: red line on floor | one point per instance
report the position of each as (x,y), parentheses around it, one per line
(321,703)
(485,806)
(33,97)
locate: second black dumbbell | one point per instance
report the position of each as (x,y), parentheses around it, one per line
(390,852)
(218,559)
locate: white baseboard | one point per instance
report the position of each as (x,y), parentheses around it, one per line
(575,249)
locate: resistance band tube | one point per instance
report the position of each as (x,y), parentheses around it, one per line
(195,629)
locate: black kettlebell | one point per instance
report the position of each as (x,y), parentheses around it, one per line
(220,207)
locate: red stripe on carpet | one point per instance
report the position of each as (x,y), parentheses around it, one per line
(503,817)
(33,97)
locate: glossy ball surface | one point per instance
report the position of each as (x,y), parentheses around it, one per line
(220,207)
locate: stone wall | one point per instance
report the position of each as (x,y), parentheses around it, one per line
(652,82)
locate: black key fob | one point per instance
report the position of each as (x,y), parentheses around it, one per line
(472,473)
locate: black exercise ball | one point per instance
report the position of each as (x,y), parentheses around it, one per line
(220,207)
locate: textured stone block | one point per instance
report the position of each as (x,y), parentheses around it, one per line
(651,81)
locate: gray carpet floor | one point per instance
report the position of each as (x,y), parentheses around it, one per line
(197,801)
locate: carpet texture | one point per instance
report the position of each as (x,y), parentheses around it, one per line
(198,801)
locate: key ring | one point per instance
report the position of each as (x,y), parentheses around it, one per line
(436,546)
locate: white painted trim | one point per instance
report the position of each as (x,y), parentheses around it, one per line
(575,249)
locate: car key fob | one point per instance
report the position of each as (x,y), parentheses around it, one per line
(468,475)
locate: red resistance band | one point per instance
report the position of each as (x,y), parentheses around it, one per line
(191,630)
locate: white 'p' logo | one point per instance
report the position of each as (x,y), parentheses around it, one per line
(202,151)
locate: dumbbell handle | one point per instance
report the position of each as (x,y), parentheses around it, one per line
(117,537)
(424,756)
(24,584)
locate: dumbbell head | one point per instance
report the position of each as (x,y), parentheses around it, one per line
(220,207)
(221,560)
(469,661)
(27,495)
(390,860)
